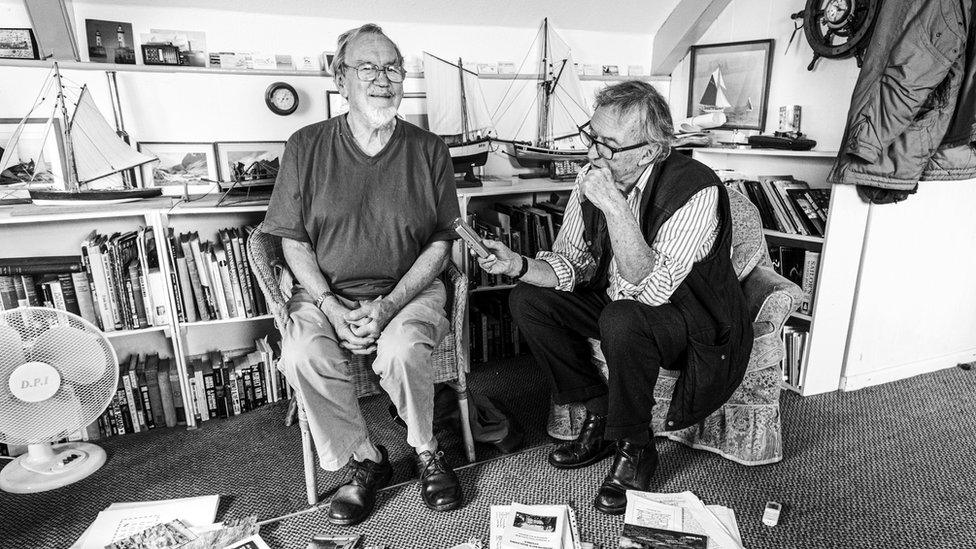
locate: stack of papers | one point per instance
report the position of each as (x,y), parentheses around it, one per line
(518,526)
(683,513)
(121,521)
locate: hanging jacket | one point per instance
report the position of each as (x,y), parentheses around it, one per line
(905,100)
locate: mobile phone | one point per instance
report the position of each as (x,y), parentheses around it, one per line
(471,238)
(770,516)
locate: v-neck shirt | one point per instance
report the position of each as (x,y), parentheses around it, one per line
(368,217)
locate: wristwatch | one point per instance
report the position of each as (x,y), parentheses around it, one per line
(524,269)
(325,295)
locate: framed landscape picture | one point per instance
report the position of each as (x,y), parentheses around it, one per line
(732,78)
(193,165)
(38,156)
(18,44)
(249,163)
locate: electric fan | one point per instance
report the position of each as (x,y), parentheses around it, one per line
(57,375)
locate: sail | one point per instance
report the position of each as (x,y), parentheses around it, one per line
(720,99)
(98,151)
(445,107)
(567,107)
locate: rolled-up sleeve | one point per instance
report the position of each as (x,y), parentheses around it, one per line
(686,237)
(570,258)
(285,216)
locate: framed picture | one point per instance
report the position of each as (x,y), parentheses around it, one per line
(110,42)
(335,104)
(193,165)
(18,44)
(732,78)
(39,155)
(249,163)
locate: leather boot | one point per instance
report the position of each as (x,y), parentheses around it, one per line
(588,448)
(439,486)
(354,500)
(632,469)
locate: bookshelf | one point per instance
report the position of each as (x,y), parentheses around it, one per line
(840,251)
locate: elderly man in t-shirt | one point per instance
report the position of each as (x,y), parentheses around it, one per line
(364,204)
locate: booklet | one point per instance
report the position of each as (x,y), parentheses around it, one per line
(645,537)
(520,526)
(653,509)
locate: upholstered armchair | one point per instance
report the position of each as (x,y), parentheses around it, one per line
(448,361)
(747,429)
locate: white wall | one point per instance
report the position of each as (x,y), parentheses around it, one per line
(824,93)
(219,107)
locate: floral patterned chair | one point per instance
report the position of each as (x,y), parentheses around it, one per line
(747,428)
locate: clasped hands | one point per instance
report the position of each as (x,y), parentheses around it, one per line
(359,328)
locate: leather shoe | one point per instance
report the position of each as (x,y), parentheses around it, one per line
(354,500)
(588,448)
(439,486)
(632,469)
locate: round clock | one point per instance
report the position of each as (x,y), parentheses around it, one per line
(281,98)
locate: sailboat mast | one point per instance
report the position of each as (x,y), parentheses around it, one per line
(543,130)
(71,177)
(464,103)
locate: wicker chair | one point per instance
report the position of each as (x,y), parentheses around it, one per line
(449,359)
(747,428)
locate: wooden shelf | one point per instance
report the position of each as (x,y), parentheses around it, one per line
(763,152)
(790,387)
(521,187)
(141,331)
(788,237)
(801,316)
(236,320)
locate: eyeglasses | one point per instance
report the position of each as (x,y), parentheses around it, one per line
(602,149)
(367,72)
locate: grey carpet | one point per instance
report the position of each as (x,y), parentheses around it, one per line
(888,466)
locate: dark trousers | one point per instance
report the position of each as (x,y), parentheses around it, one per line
(637,341)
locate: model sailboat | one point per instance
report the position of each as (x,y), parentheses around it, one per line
(457,112)
(92,153)
(561,108)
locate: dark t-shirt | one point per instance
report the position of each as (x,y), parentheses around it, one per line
(366,217)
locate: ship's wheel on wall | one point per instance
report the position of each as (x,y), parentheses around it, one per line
(837,29)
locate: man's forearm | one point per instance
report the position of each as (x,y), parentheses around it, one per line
(427,266)
(301,260)
(540,273)
(635,259)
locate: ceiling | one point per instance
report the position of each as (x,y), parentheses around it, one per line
(629,16)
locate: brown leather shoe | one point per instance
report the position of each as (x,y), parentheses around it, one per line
(353,501)
(588,448)
(439,486)
(632,469)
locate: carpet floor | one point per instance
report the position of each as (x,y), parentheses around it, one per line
(888,466)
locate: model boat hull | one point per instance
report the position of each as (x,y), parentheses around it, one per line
(471,152)
(48,197)
(530,156)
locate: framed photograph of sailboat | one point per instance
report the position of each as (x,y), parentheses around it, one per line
(249,163)
(732,78)
(33,152)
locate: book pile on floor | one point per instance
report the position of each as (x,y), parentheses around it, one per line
(678,520)
(185,523)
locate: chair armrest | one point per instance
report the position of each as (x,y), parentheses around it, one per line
(458,295)
(770,296)
(264,255)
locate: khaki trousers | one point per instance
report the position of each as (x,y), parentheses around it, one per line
(317,368)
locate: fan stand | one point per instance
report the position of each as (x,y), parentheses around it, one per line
(48,466)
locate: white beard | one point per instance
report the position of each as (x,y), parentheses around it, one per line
(380,116)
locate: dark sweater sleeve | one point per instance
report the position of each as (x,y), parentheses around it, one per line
(445,192)
(285,217)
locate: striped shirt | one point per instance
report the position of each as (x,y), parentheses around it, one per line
(687,237)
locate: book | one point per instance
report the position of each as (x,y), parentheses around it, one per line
(155,395)
(138,423)
(41,265)
(193,270)
(166,392)
(244,271)
(646,537)
(83,296)
(178,406)
(811,267)
(142,379)
(233,274)
(188,311)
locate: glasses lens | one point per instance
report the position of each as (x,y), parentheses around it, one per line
(395,73)
(604,151)
(367,73)
(586,139)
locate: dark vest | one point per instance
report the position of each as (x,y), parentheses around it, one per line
(710,299)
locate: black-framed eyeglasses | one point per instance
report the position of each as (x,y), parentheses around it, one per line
(367,72)
(602,149)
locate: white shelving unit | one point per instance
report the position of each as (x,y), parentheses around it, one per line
(839,260)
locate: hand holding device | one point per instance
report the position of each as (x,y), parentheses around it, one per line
(471,238)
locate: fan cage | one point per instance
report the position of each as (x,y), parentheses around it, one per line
(82,355)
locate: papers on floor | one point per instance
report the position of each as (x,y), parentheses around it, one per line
(518,526)
(670,518)
(123,520)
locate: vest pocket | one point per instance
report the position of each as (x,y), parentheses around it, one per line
(703,382)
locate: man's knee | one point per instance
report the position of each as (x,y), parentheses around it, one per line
(526,300)
(405,346)
(312,352)
(621,322)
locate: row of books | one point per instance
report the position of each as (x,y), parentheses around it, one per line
(526,229)
(800,266)
(494,334)
(221,384)
(213,279)
(794,361)
(786,204)
(115,283)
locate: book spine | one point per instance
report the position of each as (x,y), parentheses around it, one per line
(203,406)
(243,273)
(186,306)
(811,265)
(234,280)
(147,407)
(178,406)
(134,410)
(57,294)
(192,268)
(8,293)
(127,424)
(136,286)
(166,393)
(113,289)
(225,283)
(235,393)
(40,268)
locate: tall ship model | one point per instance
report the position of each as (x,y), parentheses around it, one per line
(457,112)
(92,157)
(561,109)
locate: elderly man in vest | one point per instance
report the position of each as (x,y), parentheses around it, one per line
(364,204)
(642,263)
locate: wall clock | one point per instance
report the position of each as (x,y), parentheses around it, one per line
(281,98)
